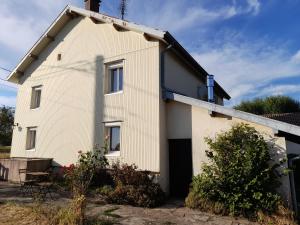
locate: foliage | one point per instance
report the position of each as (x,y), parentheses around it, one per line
(135,187)
(105,190)
(282,216)
(270,105)
(6,124)
(79,176)
(239,177)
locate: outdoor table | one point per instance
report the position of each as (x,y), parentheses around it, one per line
(42,187)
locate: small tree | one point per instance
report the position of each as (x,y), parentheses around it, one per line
(269,105)
(240,178)
(6,123)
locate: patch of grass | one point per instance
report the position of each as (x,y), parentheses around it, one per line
(4,155)
(108,212)
(4,152)
(5,149)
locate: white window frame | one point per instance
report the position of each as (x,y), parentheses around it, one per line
(109,68)
(33,101)
(31,144)
(108,126)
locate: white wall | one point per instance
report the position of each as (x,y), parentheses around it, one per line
(73,107)
(203,125)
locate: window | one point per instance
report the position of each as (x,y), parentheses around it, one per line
(31,138)
(115,78)
(36,97)
(114,138)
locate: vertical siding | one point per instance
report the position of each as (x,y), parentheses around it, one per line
(73,106)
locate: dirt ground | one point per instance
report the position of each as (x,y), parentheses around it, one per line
(18,210)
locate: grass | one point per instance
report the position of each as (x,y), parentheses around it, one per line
(33,214)
(4,152)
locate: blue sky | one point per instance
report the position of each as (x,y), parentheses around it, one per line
(251,46)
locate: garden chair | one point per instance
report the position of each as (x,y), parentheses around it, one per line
(26,185)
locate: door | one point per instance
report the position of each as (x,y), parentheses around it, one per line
(180,166)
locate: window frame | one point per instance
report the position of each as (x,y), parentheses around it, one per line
(33,100)
(109,81)
(108,131)
(31,145)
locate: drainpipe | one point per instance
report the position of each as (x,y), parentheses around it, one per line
(162,69)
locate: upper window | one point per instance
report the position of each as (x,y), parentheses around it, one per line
(115,78)
(36,97)
(31,138)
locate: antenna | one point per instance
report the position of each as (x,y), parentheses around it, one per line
(123,8)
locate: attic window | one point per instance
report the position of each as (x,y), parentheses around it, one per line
(59,57)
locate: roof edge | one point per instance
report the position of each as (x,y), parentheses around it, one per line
(274,124)
(170,39)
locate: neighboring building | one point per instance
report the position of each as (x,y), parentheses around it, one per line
(91,75)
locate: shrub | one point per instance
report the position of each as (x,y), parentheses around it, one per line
(79,177)
(135,187)
(239,177)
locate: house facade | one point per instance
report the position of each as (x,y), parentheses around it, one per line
(92,79)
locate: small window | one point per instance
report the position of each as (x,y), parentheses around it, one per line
(31,138)
(115,78)
(36,97)
(114,138)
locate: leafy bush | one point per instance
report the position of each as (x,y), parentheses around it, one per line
(79,177)
(239,179)
(135,187)
(105,190)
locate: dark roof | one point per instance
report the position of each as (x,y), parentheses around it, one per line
(291,118)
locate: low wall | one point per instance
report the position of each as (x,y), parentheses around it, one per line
(9,168)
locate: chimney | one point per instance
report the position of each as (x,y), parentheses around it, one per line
(210,88)
(92,5)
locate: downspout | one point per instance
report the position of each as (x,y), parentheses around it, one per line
(162,69)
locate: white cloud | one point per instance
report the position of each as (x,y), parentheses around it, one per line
(22,22)
(177,15)
(7,101)
(282,89)
(296,57)
(253,6)
(244,68)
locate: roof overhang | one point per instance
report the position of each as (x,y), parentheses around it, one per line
(71,12)
(274,124)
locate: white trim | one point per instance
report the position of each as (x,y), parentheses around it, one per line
(114,93)
(113,153)
(112,124)
(275,124)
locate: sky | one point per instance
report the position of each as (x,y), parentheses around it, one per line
(251,46)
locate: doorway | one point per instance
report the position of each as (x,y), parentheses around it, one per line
(180,166)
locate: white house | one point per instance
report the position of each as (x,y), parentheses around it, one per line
(91,75)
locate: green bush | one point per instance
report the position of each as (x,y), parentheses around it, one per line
(134,187)
(240,178)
